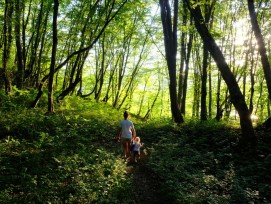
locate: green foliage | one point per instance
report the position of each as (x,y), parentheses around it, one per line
(197,164)
(69,156)
(72,157)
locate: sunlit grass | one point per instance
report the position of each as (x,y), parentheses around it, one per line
(67,157)
(72,156)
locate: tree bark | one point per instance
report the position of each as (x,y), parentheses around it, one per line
(20,64)
(187,59)
(53,60)
(261,45)
(237,98)
(170,40)
(203,110)
(7,38)
(183,55)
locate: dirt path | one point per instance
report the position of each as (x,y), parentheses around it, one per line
(147,186)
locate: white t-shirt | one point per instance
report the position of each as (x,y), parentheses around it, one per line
(126,128)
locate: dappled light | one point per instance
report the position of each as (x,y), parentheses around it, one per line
(194,77)
(73,156)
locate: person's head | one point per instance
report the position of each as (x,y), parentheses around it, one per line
(137,139)
(125,114)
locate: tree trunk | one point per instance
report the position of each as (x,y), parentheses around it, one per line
(170,39)
(203,110)
(32,66)
(53,59)
(237,98)
(147,115)
(20,71)
(183,55)
(218,99)
(261,45)
(187,59)
(208,13)
(7,38)
(210,92)
(112,72)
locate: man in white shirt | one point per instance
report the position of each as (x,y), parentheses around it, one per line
(126,134)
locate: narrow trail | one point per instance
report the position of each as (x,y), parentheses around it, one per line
(147,186)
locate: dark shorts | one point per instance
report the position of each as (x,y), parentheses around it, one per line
(136,153)
(124,140)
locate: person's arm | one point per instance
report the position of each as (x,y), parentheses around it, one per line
(133,133)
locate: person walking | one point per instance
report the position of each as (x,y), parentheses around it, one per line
(136,148)
(126,134)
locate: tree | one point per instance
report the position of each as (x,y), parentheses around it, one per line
(53,59)
(20,63)
(187,37)
(170,40)
(208,7)
(237,98)
(7,38)
(99,29)
(261,45)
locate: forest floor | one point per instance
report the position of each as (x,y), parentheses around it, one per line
(73,157)
(146,184)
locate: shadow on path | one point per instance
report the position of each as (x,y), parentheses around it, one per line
(146,184)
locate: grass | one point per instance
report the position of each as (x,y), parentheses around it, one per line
(198,163)
(72,157)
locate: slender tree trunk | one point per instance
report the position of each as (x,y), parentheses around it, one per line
(203,110)
(135,71)
(210,92)
(142,97)
(20,64)
(261,45)
(7,38)
(237,98)
(252,76)
(183,56)
(111,77)
(196,84)
(187,60)
(170,39)
(53,59)
(218,99)
(147,115)
(208,13)
(33,56)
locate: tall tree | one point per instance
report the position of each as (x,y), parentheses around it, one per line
(208,7)
(7,38)
(98,31)
(20,64)
(237,98)
(261,45)
(186,72)
(170,40)
(53,59)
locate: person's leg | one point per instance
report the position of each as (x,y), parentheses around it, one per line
(135,156)
(123,141)
(127,149)
(124,148)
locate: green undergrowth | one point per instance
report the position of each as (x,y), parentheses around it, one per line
(199,162)
(72,156)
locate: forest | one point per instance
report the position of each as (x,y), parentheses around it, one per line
(194,75)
